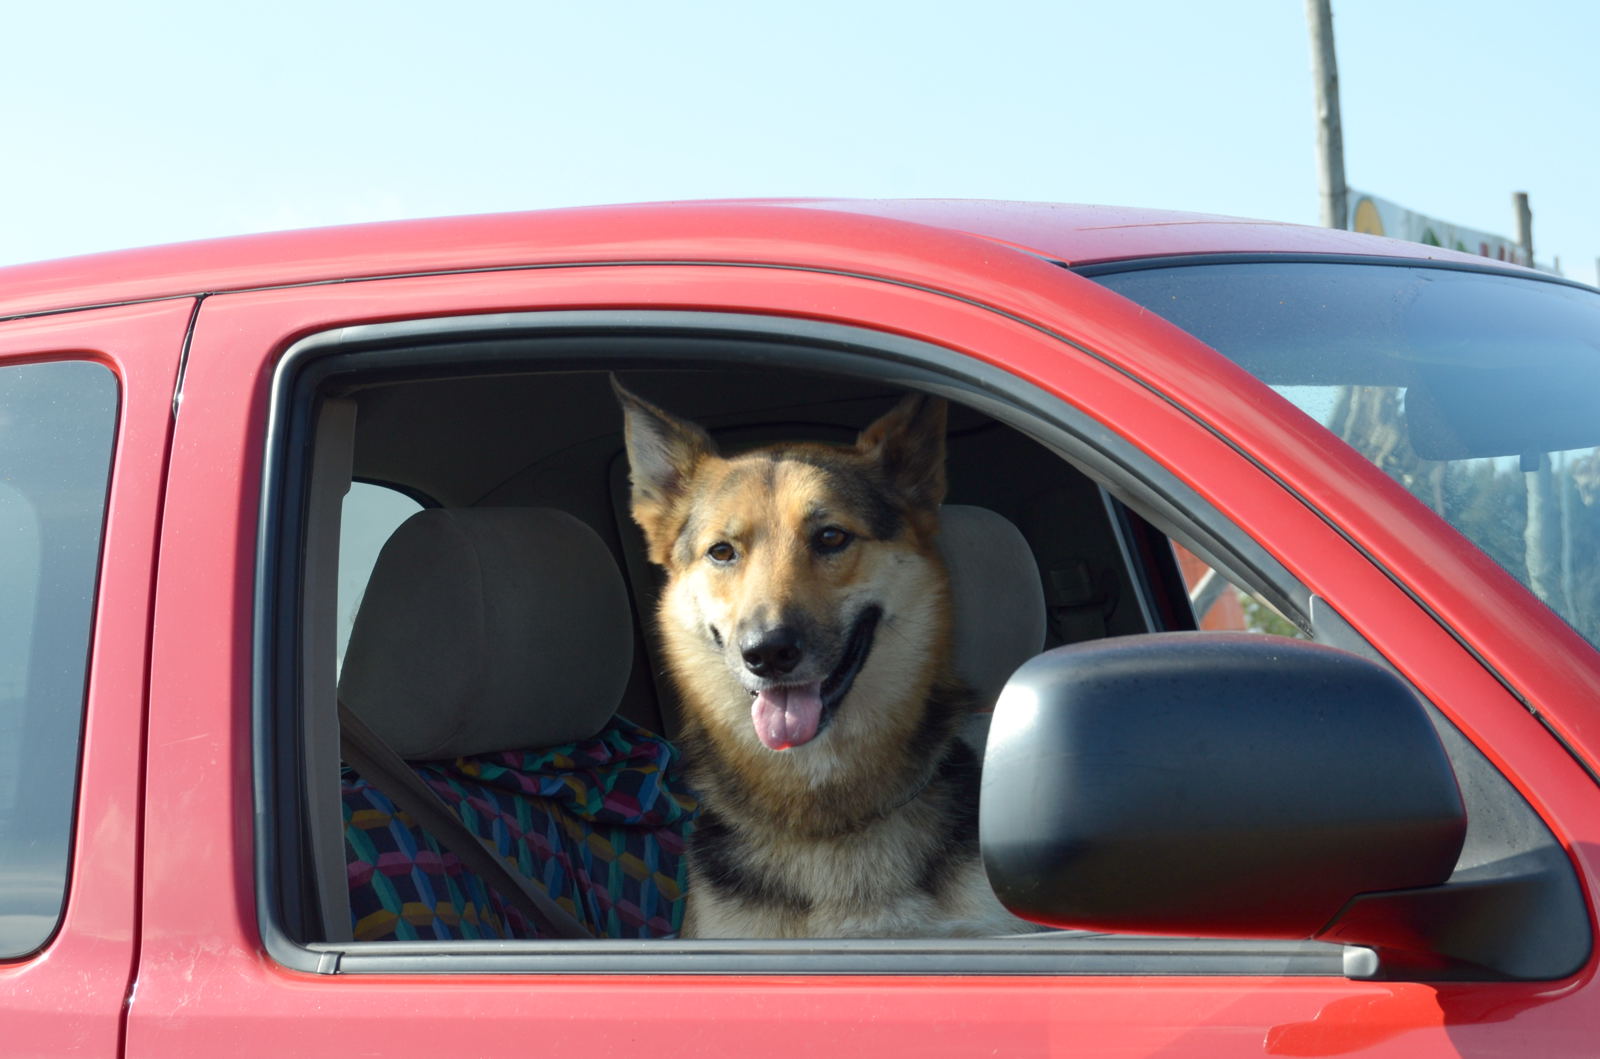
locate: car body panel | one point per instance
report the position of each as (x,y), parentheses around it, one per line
(69,999)
(163,884)
(906,239)
(207,985)
(1076,234)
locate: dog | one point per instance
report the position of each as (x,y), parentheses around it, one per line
(805,623)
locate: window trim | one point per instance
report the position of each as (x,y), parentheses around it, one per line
(1094,270)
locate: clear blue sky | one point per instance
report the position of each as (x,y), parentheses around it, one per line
(130,124)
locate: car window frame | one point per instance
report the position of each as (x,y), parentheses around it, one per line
(413,347)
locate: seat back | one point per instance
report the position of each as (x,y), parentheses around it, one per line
(997,600)
(995,595)
(490,651)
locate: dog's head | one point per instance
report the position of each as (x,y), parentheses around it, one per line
(801,575)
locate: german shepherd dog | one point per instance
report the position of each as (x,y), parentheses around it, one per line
(805,622)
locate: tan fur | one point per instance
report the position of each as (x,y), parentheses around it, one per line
(846,826)
(910,582)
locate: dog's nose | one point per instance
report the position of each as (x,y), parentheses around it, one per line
(771,652)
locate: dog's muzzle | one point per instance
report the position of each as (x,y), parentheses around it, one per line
(791,715)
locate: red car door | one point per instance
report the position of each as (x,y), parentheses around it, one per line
(220,974)
(85,413)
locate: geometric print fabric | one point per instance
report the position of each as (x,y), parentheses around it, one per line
(600,824)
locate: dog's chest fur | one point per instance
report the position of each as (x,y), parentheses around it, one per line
(893,870)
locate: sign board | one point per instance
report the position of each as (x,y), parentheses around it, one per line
(1376,216)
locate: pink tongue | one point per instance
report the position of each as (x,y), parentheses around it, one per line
(787,717)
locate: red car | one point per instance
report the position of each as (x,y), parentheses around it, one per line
(1385,840)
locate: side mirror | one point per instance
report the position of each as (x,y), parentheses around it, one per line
(1211,784)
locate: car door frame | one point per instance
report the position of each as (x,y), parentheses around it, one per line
(70,997)
(1082,356)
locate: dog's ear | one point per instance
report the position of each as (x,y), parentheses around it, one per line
(908,443)
(663,452)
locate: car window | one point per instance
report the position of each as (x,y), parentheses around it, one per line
(543,450)
(1221,605)
(471,661)
(1479,393)
(427,664)
(56,427)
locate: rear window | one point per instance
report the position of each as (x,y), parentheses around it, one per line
(57,422)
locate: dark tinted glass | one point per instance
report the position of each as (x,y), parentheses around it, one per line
(57,421)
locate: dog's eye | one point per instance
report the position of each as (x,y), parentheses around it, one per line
(721,552)
(831,539)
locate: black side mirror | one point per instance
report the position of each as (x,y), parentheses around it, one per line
(1211,784)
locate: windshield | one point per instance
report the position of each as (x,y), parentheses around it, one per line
(1478,392)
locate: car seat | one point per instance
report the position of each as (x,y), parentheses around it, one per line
(995,595)
(490,651)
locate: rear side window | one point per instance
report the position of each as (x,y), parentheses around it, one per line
(57,422)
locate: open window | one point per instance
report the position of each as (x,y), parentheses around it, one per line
(510,429)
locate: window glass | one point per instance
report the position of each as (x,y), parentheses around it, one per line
(19,574)
(371,514)
(1220,605)
(1479,393)
(56,428)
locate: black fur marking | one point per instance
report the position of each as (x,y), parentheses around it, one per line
(716,848)
(870,499)
(957,782)
(856,649)
(867,495)
(947,707)
(864,494)
(884,520)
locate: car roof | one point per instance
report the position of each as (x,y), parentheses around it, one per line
(817,233)
(1079,234)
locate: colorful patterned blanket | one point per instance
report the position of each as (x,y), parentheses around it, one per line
(600,824)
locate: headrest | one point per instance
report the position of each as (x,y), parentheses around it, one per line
(996,597)
(489,629)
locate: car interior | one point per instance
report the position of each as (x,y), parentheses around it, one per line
(504,643)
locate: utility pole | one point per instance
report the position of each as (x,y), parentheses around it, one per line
(1330,137)
(1524,226)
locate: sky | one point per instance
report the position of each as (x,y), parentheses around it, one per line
(135,124)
